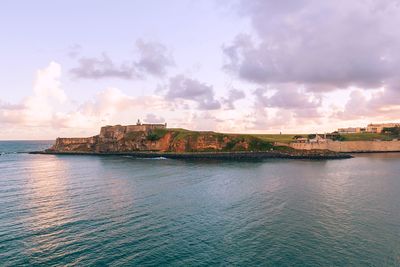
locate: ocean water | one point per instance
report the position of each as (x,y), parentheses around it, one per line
(121,211)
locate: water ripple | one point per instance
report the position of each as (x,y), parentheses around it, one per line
(79,211)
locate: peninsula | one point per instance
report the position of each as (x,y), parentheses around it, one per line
(156,140)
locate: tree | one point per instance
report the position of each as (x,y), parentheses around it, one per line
(311,136)
(393,131)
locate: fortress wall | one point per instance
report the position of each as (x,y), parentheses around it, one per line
(82,140)
(71,144)
(351,146)
(118,131)
(112,132)
(144,127)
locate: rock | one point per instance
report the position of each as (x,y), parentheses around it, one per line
(157,140)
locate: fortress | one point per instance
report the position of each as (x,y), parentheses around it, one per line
(156,137)
(109,138)
(117,132)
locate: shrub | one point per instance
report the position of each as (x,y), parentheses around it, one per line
(311,136)
(393,131)
(156,134)
(256,144)
(231,144)
(338,137)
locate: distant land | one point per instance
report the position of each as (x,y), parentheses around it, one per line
(155,140)
(151,140)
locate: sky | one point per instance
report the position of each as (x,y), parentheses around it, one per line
(249,66)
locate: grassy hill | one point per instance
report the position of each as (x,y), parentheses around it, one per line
(367,137)
(287,138)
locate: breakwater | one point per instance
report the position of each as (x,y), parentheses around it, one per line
(312,155)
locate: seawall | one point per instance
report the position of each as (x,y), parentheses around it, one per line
(310,155)
(350,146)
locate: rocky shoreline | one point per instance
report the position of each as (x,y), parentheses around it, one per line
(154,140)
(310,155)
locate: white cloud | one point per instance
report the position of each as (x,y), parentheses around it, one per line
(38,109)
(50,110)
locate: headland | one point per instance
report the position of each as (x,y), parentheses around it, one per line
(156,140)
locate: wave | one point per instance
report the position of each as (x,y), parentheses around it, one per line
(9,153)
(155,158)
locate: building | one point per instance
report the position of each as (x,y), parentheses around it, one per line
(378,128)
(371,128)
(317,139)
(351,130)
(300,139)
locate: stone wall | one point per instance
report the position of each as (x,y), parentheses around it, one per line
(351,146)
(75,144)
(117,132)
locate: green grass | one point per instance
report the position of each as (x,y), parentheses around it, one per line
(179,134)
(366,137)
(156,134)
(258,144)
(283,138)
(287,138)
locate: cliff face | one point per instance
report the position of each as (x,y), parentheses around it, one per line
(128,139)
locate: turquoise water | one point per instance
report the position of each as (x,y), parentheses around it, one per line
(119,211)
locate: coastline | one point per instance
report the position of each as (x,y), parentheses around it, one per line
(310,155)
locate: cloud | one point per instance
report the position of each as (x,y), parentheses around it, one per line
(181,87)
(320,44)
(153,59)
(233,96)
(112,104)
(49,112)
(152,118)
(74,50)
(381,105)
(103,67)
(38,108)
(301,103)
(263,119)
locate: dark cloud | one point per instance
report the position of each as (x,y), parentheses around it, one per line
(153,59)
(181,87)
(103,67)
(74,50)
(233,96)
(321,44)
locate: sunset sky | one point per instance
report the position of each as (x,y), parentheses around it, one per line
(256,66)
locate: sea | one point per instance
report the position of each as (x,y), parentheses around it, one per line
(65,210)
